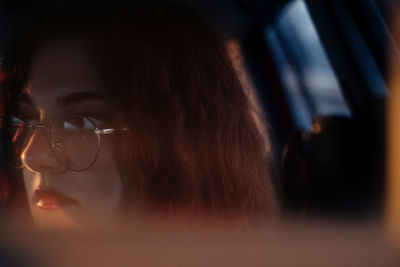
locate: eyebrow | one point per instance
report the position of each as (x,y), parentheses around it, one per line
(67,100)
(78,97)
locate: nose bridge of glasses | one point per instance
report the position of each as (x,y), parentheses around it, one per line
(37,154)
(34,134)
(39,126)
(32,129)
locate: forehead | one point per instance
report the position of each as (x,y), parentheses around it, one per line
(60,68)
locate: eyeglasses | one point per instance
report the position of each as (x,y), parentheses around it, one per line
(74,139)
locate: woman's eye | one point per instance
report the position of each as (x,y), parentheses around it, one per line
(99,120)
(75,121)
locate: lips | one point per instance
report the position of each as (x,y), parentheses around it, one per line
(50,199)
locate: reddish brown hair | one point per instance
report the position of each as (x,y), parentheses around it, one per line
(194,144)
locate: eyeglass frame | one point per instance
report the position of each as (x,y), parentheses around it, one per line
(33,125)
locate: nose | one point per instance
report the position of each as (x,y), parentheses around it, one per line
(38,155)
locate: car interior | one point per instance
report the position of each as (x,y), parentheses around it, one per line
(324,73)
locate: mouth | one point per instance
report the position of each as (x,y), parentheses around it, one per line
(50,199)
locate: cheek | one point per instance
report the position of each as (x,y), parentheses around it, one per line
(98,190)
(31,181)
(100,187)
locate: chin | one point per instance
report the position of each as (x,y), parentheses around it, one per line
(56,219)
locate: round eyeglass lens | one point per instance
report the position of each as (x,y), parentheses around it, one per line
(74,141)
(13,139)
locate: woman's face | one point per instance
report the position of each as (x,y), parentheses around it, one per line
(63,82)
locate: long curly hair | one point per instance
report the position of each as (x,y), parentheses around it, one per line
(195,146)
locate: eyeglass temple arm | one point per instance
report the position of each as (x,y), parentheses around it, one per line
(109,131)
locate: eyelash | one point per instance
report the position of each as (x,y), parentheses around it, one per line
(99,119)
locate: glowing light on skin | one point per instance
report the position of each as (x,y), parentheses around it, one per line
(59,219)
(97,190)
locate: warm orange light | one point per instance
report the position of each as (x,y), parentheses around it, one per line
(317,127)
(392,218)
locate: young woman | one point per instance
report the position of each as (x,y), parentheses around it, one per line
(120,113)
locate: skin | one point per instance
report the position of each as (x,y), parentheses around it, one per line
(58,70)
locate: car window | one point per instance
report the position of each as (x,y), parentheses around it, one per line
(310,83)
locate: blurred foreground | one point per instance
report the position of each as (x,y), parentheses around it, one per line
(207,244)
